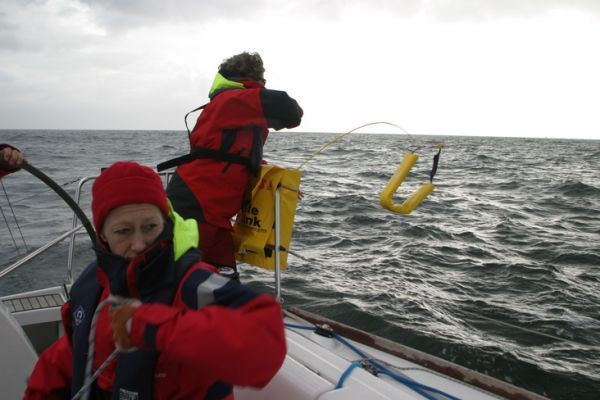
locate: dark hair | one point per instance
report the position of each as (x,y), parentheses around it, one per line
(243,65)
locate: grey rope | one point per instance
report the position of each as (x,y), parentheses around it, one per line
(16,221)
(10,231)
(84,392)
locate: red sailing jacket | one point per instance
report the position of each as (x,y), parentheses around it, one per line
(236,122)
(215,333)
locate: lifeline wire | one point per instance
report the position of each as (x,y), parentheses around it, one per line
(37,192)
(16,221)
(63,195)
(10,231)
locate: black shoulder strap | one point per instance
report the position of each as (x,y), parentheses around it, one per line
(204,152)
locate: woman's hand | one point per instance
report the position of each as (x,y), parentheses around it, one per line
(120,322)
(11,158)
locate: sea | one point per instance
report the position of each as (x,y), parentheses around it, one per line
(497,270)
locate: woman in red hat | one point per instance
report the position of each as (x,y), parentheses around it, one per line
(182,330)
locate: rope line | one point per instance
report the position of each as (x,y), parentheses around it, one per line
(338,137)
(16,221)
(86,386)
(89,378)
(10,231)
(346,374)
(414,385)
(84,391)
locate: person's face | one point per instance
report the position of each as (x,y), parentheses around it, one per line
(130,228)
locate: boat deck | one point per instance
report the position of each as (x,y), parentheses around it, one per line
(31,303)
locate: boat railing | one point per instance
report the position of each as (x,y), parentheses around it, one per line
(70,233)
(71,252)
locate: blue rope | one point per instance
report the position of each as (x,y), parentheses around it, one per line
(296,326)
(350,345)
(412,384)
(346,374)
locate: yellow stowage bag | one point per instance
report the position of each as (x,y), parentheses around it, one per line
(253,231)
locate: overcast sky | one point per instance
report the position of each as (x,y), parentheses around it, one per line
(461,67)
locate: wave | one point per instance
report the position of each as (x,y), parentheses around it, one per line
(577,189)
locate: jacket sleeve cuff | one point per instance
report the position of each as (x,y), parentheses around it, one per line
(145,324)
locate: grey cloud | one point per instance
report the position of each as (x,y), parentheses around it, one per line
(12,39)
(5,24)
(491,9)
(41,25)
(124,15)
(456,10)
(11,20)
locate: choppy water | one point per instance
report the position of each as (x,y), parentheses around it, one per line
(511,234)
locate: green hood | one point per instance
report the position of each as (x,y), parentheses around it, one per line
(185,233)
(221,82)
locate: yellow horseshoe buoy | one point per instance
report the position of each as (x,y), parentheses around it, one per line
(396,180)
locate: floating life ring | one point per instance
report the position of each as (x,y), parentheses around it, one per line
(396,180)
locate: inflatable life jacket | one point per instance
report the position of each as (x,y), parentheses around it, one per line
(227,121)
(158,276)
(226,149)
(83,305)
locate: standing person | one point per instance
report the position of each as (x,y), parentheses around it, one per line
(185,331)
(228,139)
(10,159)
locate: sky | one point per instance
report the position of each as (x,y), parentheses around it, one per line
(512,68)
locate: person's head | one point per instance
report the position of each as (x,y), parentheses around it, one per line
(129,207)
(243,65)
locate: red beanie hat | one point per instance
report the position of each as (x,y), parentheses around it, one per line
(126,182)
